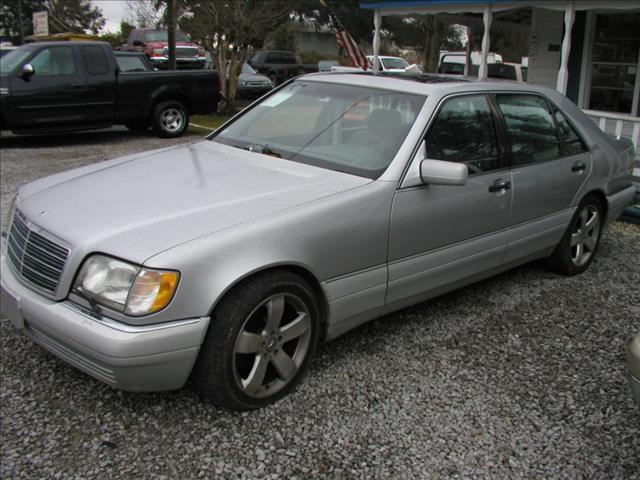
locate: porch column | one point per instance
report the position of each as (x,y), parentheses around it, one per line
(487,18)
(377,20)
(563,74)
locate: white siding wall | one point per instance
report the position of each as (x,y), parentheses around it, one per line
(546,29)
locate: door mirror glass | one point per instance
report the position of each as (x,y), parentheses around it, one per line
(438,172)
(27,70)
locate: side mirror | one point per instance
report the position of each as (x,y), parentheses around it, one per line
(437,172)
(27,71)
(138,43)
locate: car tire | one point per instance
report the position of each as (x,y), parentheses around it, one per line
(137,126)
(259,343)
(579,244)
(170,119)
(274,79)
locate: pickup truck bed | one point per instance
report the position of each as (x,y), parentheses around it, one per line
(62,86)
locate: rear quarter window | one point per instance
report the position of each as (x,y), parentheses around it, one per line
(95,59)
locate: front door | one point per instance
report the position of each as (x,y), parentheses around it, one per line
(55,95)
(441,236)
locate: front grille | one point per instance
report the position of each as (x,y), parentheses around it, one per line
(36,258)
(258,83)
(184,52)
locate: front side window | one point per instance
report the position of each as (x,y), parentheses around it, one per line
(11,60)
(346,128)
(530,128)
(464,132)
(54,61)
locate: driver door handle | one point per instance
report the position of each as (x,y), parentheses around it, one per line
(500,186)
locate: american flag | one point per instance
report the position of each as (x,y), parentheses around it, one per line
(346,41)
(354,51)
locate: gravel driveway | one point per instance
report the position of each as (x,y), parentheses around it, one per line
(519,376)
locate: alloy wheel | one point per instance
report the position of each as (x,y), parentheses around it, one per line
(271,345)
(585,235)
(172,120)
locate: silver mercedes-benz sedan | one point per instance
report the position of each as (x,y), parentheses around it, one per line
(334,200)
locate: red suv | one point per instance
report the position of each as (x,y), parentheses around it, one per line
(154,43)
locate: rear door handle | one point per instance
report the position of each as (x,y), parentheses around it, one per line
(500,186)
(578,167)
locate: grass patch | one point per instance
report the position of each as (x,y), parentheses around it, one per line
(209,122)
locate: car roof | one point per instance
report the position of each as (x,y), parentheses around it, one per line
(423,84)
(63,43)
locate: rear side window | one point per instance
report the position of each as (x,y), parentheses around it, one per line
(131,64)
(464,132)
(530,128)
(573,144)
(95,59)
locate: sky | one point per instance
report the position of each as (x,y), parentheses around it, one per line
(113,11)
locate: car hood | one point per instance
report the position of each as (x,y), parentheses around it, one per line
(140,205)
(252,77)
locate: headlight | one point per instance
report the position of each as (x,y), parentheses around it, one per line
(12,210)
(242,82)
(125,287)
(158,51)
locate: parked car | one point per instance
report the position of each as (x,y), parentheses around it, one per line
(504,71)
(63,86)
(155,44)
(334,200)
(390,64)
(279,65)
(633,358)
(251,84)
(133,62)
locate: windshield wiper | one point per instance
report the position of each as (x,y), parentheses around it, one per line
(264,149)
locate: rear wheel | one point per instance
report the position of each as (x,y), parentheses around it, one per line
(580,242)
(170,119)
(260,341)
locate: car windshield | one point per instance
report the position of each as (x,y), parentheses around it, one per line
(246,68)
(11,60)
(394,63)
(163,36)
(346,128)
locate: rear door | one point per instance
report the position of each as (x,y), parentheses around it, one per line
(441,235)
(101,85)
(55,95)
(550,164)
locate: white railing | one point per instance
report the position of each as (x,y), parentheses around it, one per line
(620,125)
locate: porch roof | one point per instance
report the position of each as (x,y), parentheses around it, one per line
(411,7)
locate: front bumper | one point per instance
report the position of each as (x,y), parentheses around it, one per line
(134,358)
(251,91)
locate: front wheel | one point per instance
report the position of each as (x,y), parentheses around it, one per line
(170,119)
(260,341)
(580,242)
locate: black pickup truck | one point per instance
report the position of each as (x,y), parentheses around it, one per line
(64,86)
(279,65)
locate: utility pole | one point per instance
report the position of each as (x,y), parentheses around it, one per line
(171,32)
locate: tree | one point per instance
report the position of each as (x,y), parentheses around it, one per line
(77,16)
(282,38)
(232,28)
(144,13)
(116,39)
(510,44)
(358,22)
(16,18)
(425,34)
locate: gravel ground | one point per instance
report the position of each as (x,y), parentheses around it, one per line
(519,376)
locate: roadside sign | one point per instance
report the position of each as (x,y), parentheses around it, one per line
(41,23)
